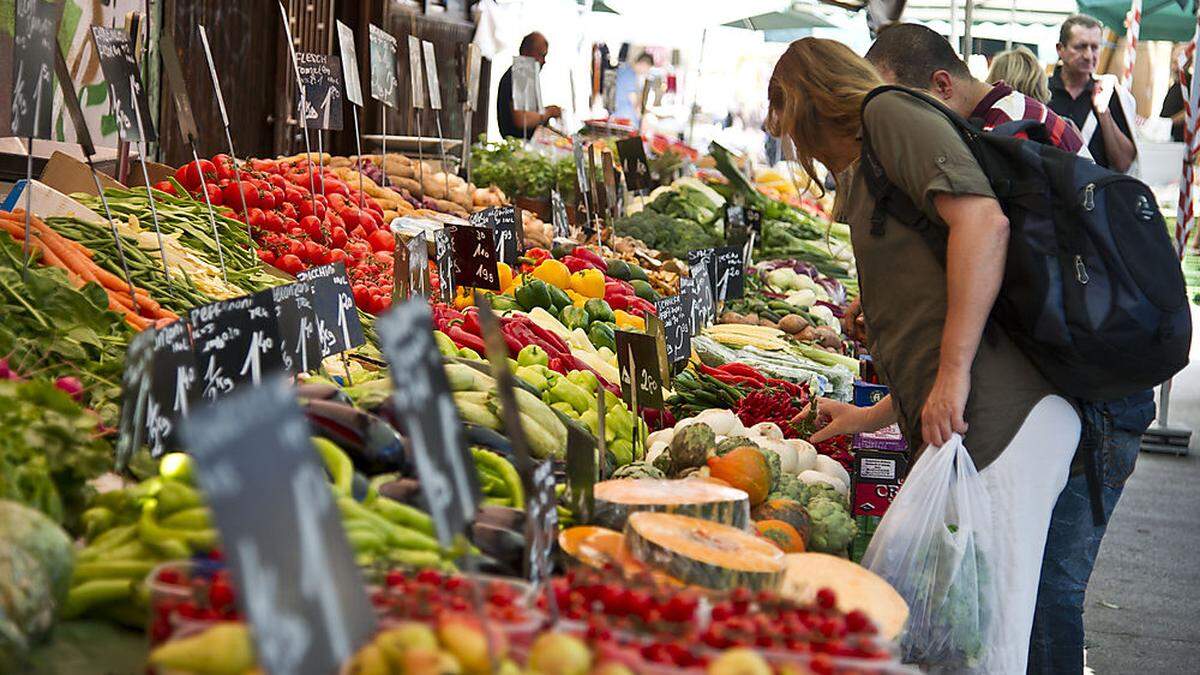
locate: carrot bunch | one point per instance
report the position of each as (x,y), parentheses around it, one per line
(56,250)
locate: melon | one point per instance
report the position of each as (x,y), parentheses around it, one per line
(856,587)
(789,511)
(616,499)
(598,547)
(702,552)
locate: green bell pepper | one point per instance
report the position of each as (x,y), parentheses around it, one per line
(620,420)
(566,391)
(533,355)
(444,344)
(564,408)
(534,293)
(622,451)
(574,317)
(602,335)
(531,377)
(558,297)
(644,291)
(618,269)
(503,303)
(598,310)
(636,272)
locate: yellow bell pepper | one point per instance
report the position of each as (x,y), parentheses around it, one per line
(506,276)
(464,297)
(554,273)
(577,299)
(627,320)
(588,283)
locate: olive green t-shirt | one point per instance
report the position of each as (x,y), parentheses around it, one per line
(903,284)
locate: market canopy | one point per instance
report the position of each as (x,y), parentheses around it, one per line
(1161,19)
(794,17)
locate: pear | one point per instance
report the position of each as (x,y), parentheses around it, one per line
(464,638)
(409,635)
(370,660)
(739,661)
(559,654)
(224,649)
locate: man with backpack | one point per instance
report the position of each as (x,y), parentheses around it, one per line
(917,57)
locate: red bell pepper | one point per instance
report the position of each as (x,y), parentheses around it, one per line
(464,339)
(511,341)
(561,347)
(625,287)
(471,322)
(537,254)
(578,264)
(590,256)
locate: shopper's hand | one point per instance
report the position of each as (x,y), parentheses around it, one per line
(942,415)
(845,419)
(551,112)
(853,324)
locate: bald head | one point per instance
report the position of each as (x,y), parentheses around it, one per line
(535,45)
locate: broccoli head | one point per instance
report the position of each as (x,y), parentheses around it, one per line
(832,526)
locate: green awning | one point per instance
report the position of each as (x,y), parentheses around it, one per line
(1161,19)
(790,19)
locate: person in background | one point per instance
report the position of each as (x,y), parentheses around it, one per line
(1172,106)
(522,123)
(916,57)
(1019,69)
(1056,645)
(1075,93)
(629,87)
(949,370)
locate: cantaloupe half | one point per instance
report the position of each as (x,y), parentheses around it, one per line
(597,547)
(616,499)
(702,552)
(856,587)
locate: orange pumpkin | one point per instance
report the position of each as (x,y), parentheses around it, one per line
(745,469)
(789,511)
(781,534)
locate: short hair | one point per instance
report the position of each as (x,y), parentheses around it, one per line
(1064,33)
(645,57)
(528,41)
(1020,69)
(913,53)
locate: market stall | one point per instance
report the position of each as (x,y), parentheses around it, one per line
(358,413)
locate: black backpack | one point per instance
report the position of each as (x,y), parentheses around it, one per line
(1093,291)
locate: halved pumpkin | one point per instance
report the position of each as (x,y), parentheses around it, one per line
(702,552)
(616,499)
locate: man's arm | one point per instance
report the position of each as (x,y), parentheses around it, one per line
(1119,147)
(974,269)
(529,120)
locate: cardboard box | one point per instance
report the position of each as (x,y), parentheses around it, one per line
(68,175)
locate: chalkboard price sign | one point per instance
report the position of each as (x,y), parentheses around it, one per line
(416,76)
(423,401)
(730,267)
(33,50)
(236,345)
(349,64)
(475,258)
(558,214)
(541,522)
(121,71)
(179,96)
(637,361)
(383,67)
(581,469)
(338,326)
(281,532)
(504,222)
(443,252)
(700,287)
(675,312)
(135,392)
(299,343)
(321,77)
(634,164)
(174,370)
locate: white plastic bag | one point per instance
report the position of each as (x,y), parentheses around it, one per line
(935,546)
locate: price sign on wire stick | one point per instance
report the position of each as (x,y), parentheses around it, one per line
(435,104)
(675,313)
(700,288)
(558,215)
(503,222)
(582,182)
(384,87)
(541,521)
(321,80)
(281,530)
(236,345)
(287,31)
(730,267)
(338,325)
(216,84)
(443,250)
(423,401)
(473,62)
(474,252)
(634,164)
(581,468)
(135,391)
(33,48)
(174,370)
(189,132)
(121,72)
(638,363)
(526,90)
(416,77)
(353,95)
(295,314)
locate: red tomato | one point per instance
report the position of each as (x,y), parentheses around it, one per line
(165,186)
(311,226)
(337,236)
(315,253)
(289,210)
(382,240)
(290,263)
(337,255)
(277,181)
(362,297)
(256,218)
(273,221)
(214,195)
(266,256)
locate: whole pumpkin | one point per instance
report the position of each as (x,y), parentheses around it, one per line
(745,469)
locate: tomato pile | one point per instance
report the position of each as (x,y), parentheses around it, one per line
(295,229)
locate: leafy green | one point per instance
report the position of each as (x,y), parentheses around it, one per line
(519,172)
(49,449)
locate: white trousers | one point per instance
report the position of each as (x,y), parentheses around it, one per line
(1023,483)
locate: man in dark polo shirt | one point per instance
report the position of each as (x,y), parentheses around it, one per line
(522,123)
(1076,94)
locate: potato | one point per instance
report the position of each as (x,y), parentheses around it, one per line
(792,324)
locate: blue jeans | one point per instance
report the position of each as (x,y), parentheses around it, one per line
(1056,644)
